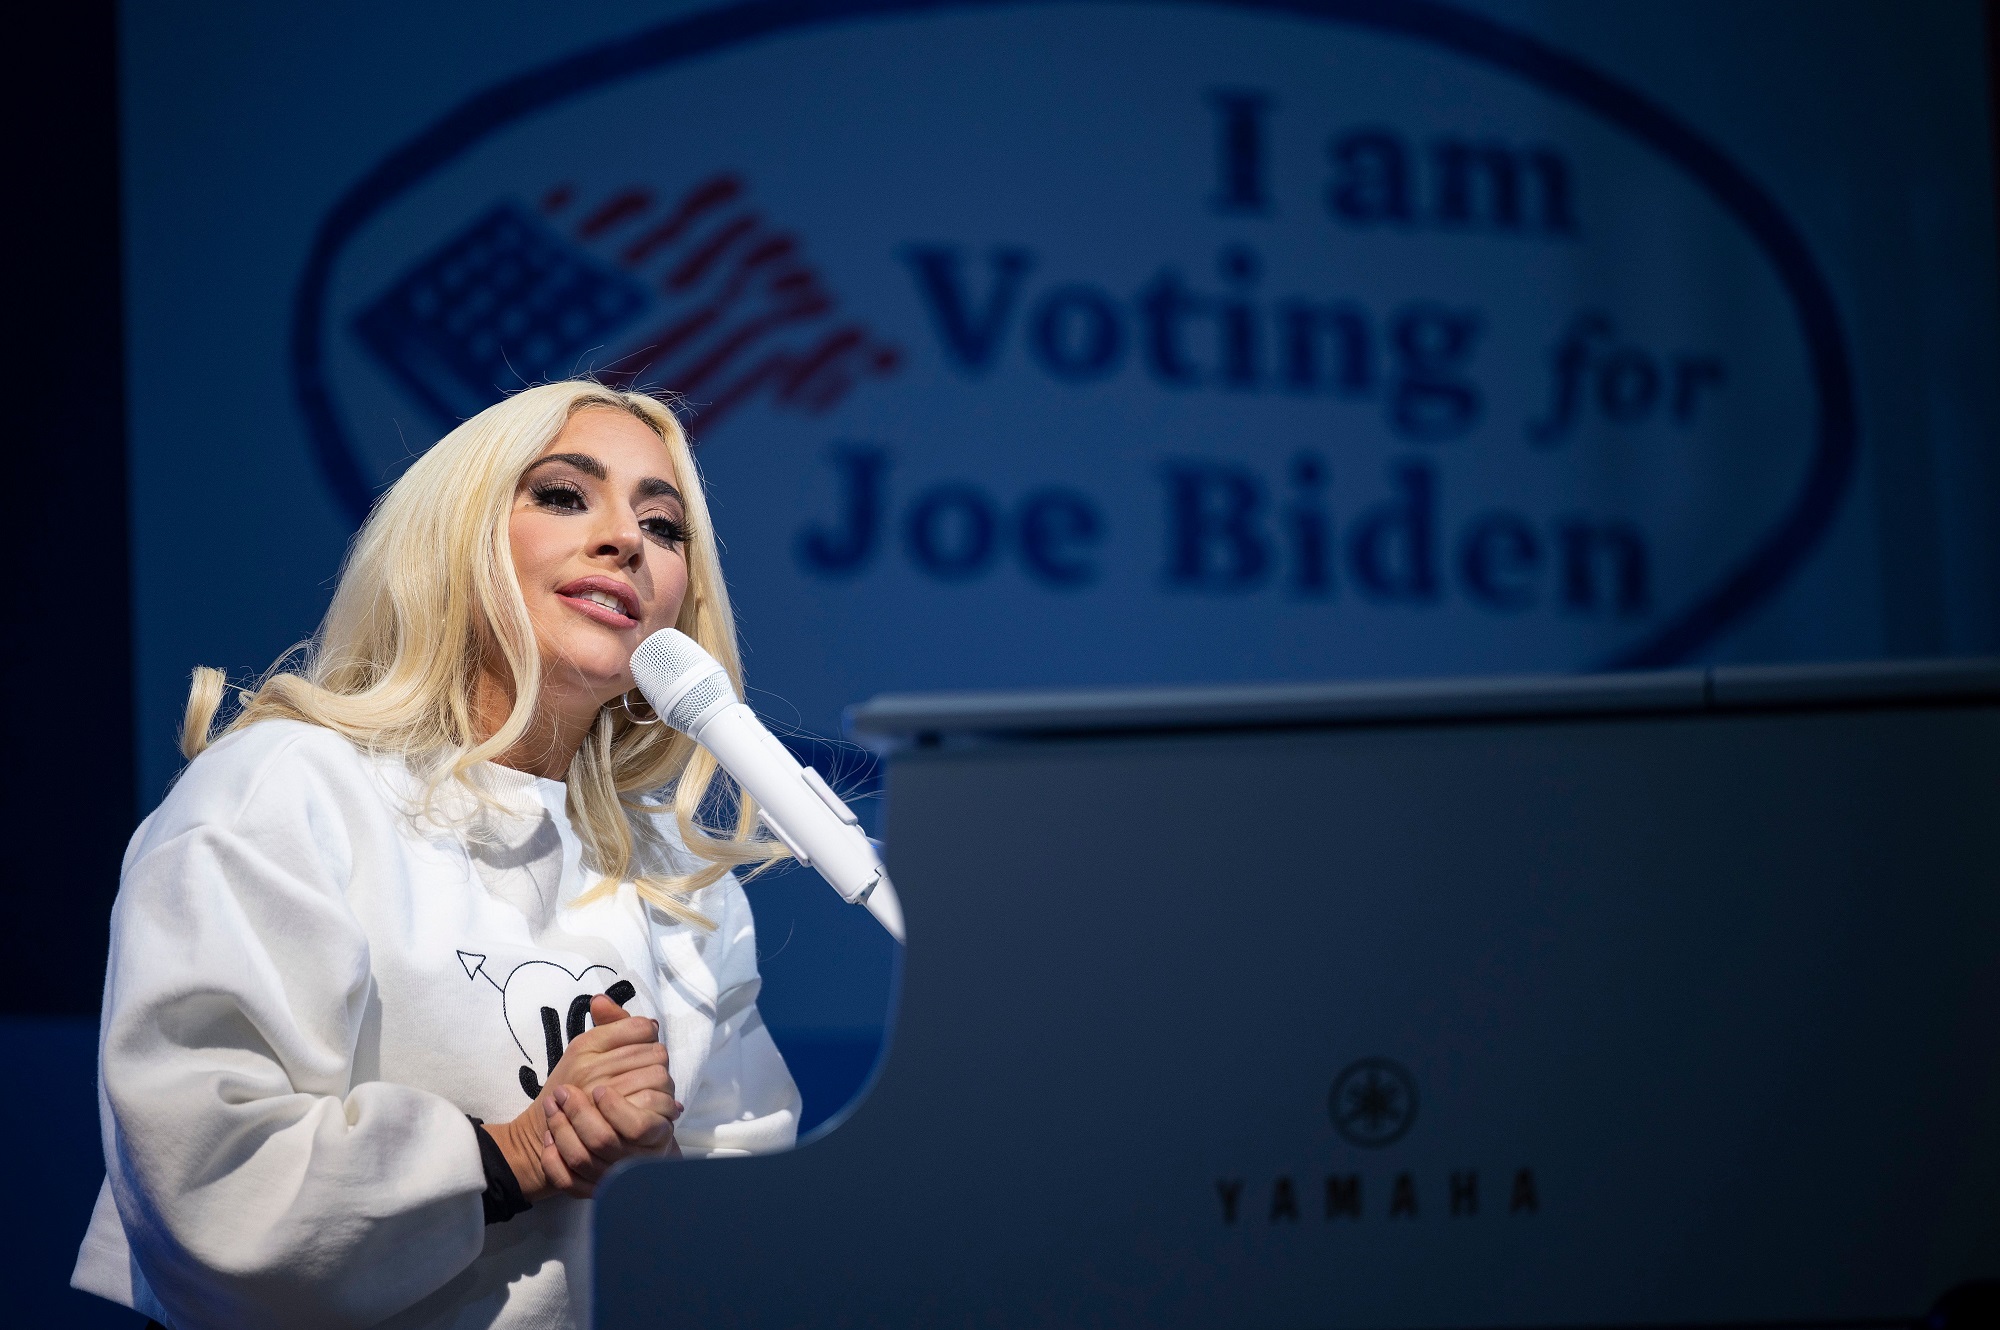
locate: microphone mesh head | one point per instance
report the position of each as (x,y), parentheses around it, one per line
(666,656)
(696,704)
(662,666)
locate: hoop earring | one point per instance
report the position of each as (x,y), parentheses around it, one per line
(625,701)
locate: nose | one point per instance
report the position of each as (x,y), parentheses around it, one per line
(616,537)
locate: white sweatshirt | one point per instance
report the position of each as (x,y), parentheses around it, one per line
(309,990)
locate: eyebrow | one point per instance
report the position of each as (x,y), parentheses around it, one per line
(652,487)
(583,462)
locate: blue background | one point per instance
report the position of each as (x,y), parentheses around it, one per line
(240,129)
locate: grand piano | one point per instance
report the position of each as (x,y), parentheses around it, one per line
(1640,999)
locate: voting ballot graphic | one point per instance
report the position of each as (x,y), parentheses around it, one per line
(1306,339)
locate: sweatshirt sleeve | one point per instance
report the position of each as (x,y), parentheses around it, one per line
(256,1184)
(746,1101)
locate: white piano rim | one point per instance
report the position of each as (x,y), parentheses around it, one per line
(894,721)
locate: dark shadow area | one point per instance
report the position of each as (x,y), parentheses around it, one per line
(68,784)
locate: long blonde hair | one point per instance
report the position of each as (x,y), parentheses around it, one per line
(428,589)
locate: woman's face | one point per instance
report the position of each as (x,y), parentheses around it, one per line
(599,541)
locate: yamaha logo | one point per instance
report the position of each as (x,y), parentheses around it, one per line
(1373,1103)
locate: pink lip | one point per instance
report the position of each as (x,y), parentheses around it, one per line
(628,600)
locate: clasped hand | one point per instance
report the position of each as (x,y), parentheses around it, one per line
(609,1098)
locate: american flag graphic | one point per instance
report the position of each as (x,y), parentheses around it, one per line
(696,294)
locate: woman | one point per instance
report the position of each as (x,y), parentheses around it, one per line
(434,931)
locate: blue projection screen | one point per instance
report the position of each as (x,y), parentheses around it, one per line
(1102,344)
(1037,345)
(1657,999)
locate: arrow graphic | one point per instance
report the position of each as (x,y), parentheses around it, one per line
(475,967)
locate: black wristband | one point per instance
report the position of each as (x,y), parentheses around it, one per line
(502,1197)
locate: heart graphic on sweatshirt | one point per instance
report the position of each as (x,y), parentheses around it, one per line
(546,1005)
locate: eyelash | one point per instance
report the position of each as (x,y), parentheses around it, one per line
(566,498)
(548,492)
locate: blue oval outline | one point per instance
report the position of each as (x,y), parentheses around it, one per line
(1754,579)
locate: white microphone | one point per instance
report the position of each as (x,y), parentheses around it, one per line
(689,689)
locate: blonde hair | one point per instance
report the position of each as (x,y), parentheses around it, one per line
(428,590)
